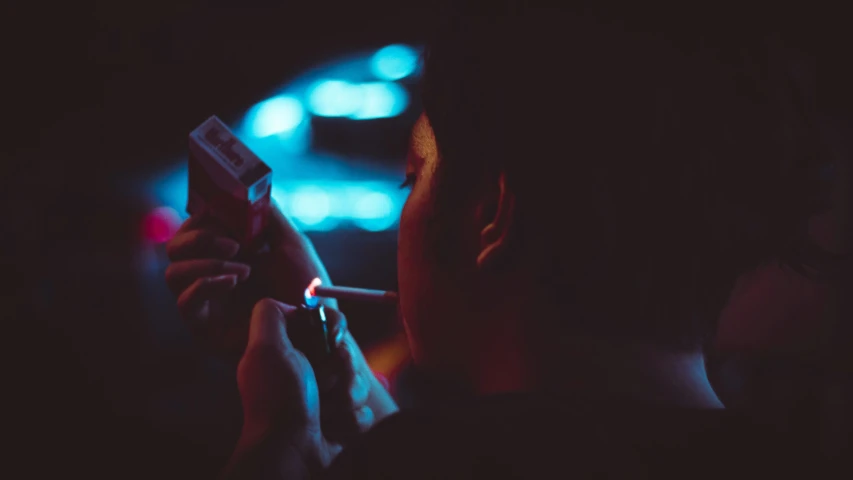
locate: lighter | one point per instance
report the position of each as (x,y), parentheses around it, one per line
(310,330)
(311,325)
(310,333)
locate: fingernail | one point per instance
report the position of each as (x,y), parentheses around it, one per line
(267,325)
(225,279)
(226,245)
(240,269)
(339,337)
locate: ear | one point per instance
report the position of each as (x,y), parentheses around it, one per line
(498,214)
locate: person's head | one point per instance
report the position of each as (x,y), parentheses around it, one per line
(615,180)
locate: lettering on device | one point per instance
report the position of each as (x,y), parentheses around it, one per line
(225,147)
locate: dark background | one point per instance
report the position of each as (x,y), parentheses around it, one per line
(104,380)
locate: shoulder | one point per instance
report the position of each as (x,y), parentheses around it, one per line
(485,439)
(519,438)
(386,451)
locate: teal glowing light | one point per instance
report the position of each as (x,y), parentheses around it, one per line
(361,101)
(276,115)
(334,98)
(381,100)
(373,205)
(374,211)
(394,62)
(310,205)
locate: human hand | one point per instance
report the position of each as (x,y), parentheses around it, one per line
(217,287)
(289,427)
(217,283)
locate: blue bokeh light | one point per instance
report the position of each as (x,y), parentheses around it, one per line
(324,195)
(373,205)
(310,205)
(334,98)
(277,115)
(313,206)
(171,188)
(374,212)
(394,62)
(363,101)
(381,100)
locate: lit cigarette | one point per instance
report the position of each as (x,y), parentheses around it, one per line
(315,291)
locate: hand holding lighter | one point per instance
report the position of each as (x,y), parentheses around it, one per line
(310,333)
(312,317)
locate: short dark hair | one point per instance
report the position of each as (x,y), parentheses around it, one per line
(652,166)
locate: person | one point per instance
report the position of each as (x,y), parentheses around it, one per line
(765,353)
(585,190)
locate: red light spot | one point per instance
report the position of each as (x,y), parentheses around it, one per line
(160,224)
(310,293)
(314,283)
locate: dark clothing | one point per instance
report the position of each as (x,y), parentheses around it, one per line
(526,436)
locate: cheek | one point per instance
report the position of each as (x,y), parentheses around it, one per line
(431,276)
(410,236)
(413,277)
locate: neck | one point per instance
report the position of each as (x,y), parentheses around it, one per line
(643,373)
(590,366)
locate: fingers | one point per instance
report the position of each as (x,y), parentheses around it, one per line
(268,327)
(351,384)
(199,237)
(192,223)
(342,426)
(354,380)
(180,275)
(337,370)
(193,302)
(201,244)
(276,383)
(345,411)
(364,418)
(336,323)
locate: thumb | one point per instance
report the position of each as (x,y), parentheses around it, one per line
(276,383)
(280,229)
(268,326)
